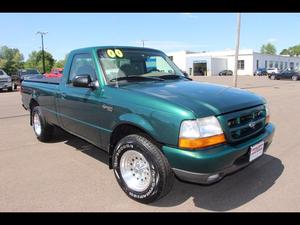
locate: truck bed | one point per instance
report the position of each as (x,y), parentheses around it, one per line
(43,80)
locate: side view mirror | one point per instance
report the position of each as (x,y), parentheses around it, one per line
(85,80)
(82,80)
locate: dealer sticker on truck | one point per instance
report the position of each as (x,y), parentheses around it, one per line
(256,150)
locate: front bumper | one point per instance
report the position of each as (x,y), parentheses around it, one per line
(212,164)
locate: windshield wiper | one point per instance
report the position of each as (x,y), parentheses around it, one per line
(136,77)
(173,76)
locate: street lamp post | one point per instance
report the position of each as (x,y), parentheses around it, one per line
(143,42)
(43,52)
(237,49)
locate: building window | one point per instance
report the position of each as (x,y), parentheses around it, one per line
(241,64)
(271,64)
(297,65)
(257,64)
(266,63)
(285,65)
(281,65)
(190,71)
(291,65)
(276,64)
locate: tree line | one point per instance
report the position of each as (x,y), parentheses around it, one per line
(271,49)
(11,60)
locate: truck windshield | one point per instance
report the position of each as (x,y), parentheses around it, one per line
(120,64)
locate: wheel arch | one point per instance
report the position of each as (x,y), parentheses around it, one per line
(124,129)
(33,103)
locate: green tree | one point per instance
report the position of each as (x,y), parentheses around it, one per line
(292,51)
(11,59)
(35,60)
(268,49)
(61,63)
(285,52)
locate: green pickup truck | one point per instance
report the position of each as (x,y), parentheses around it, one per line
(154,122)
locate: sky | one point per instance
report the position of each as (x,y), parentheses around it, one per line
(168,32)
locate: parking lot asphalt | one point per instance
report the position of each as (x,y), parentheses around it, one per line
(69,174)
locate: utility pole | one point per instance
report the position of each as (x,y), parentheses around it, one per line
(237,49)
(43,52)
(143,42)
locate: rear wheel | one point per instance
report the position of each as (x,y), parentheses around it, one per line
(42,129)
(141,169)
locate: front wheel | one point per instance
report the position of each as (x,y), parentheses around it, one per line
(141,169)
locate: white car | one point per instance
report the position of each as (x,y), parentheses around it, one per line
(5,81)
(273,70)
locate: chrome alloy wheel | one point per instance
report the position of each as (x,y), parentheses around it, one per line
(37,124)
(135,170)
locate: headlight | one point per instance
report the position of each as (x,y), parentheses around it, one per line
(267,113)
(204,132)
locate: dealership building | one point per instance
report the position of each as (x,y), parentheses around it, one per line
(211,63)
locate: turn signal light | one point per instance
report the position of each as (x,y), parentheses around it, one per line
(196,143)
(267,119)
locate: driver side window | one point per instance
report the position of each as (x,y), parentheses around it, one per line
(82,64)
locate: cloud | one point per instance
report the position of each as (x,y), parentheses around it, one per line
(272,40)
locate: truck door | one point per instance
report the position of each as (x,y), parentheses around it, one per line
(78,106)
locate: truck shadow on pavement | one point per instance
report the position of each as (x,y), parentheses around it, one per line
(232,192)
(80,145)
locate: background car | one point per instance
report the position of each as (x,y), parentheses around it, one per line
(261,72)
(226,73)
(22,74)
(5,81)
(286,74)
(55,73)
(273,70)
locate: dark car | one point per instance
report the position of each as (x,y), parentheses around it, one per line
(286,74)
(22,74)
(261,72)
(226,73)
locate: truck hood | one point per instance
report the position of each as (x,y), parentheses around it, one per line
(202,98)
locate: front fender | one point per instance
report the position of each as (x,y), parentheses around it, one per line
(138,121)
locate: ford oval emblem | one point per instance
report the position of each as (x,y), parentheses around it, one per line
(252,124)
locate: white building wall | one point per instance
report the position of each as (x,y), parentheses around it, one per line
(185,61)
(275,59)
(248,64)
(179,58)
(218,64)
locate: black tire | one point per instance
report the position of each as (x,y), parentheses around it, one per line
(10,89)
(161,174)
(46,129)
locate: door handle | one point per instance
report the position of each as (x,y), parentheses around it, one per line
(63,95)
